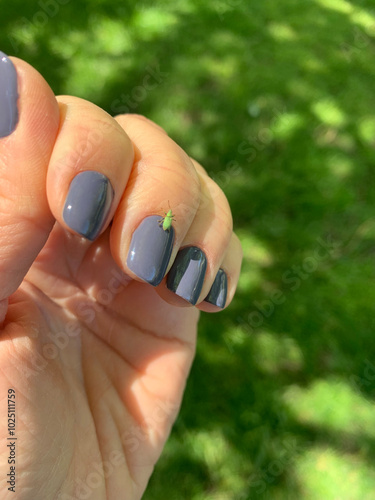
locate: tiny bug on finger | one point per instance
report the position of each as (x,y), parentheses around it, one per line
(166,221)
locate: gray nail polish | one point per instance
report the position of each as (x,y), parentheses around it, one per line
(218,293)
(150,250)
(8,96)
(88,203)
(186,276)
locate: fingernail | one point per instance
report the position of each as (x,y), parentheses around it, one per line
(8,96)
(186,276)
(150,250)
(88,203)
(218,293)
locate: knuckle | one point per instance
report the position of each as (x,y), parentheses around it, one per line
(219,205)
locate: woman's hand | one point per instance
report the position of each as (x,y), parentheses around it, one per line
(99,302)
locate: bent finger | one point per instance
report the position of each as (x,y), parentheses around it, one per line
(226,279)
(144,243)
(203,247)
(89,167)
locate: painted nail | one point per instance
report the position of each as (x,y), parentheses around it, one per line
(150,250)
(186,276)
(8,96)
(218,293)
(88,203)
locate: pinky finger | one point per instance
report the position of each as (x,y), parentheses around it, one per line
(225,283)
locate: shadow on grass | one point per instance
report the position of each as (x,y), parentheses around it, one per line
(275,100)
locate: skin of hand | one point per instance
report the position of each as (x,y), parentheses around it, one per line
(97,356)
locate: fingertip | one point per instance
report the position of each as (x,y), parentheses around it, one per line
(37,108)
(8,96)
(150,250)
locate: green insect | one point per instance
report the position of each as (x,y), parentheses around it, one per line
(166,221)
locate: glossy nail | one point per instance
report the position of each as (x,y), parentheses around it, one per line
(186,276)
(150,250)
(8,96)
(88,203)
(218,293)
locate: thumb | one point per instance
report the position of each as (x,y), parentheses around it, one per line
(29,120)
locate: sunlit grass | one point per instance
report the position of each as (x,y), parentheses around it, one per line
(329,113)
(319,468)
(275,353)
(336,405)
(343,6)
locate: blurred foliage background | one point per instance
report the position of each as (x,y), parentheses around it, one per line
(276,100)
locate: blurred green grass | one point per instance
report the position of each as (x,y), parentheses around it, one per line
(276,100)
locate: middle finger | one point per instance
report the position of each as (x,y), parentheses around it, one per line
(163,177)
